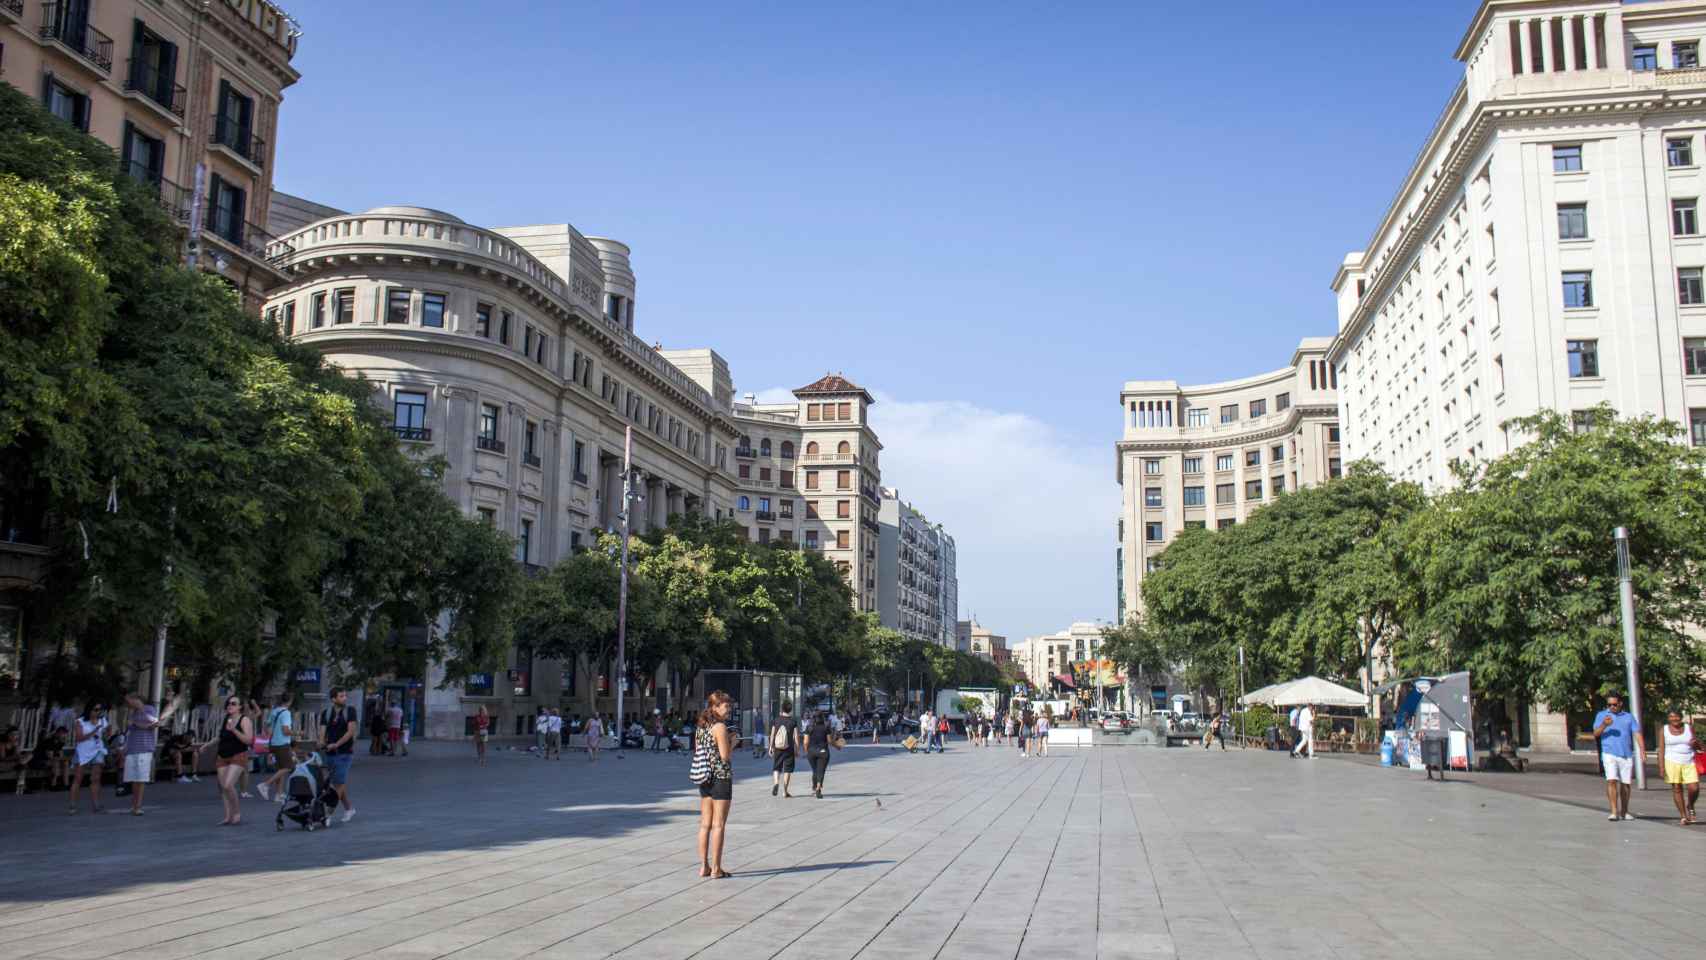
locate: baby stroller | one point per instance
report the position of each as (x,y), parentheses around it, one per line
(309,798)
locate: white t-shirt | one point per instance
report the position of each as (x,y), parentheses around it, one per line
(92,749)
(1306,720)
(1679,747)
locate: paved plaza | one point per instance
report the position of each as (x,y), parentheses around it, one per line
(1104,852)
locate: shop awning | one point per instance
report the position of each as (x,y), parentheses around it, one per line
(1065,680)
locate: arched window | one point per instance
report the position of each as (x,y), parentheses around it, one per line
(787,449)
(745,442)
(746,503)
(844,448)
(764,447)
(811,449)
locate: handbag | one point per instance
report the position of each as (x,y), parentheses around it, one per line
(1700,764)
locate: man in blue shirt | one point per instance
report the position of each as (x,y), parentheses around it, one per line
(1620,748)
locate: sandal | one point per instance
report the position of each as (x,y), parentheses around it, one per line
(704,871)
(721,875)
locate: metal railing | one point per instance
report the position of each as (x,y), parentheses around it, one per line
(247,237)
(228,133)
(767,515)
(15,8)
(531,459)
(489,443)
(745,453)
(147,79)
(412,433)
(76,34)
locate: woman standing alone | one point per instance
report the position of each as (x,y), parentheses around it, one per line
(714,744)
(236,734)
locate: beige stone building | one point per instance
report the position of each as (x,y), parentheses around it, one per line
(1207,456)
(980,641)
(185,91)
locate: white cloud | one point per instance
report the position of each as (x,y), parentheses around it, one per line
(1032,514)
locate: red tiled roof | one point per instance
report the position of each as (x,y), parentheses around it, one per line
(832,383)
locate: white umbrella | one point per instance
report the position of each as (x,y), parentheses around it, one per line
(1262,694)
(1316,691)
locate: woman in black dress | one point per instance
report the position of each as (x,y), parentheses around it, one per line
(819,737)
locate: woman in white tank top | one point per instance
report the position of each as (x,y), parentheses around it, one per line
(1677,749)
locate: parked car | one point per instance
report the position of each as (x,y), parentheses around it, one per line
(1115,723)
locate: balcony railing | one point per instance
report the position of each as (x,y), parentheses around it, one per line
(580,478)
(147,79)
(420,434)
(830,458)
(531,459)
(12,8)
(75,34)
(489,443)
(175,200)
(745,453)
(872,496)
(248,238)
(768,516)
(228,133)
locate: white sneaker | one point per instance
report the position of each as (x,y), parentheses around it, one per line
(194,778)
(347,817)
(1628,816)
(1612,817)
(184,779)
(246,795)
(263,791)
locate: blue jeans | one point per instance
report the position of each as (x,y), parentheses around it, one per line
(936,743)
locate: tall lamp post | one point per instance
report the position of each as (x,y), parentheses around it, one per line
(628,500)
(1626,589)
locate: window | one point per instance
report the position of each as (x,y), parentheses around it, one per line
(578,463)
(1332,434)
(1192,465)
(229,211)
(814,412)
(811,539)
(343,305)
(1258,408)
(843,509)
(744,471)
(844,449)
(527,340)
(844,411)
(1684,54)
(1193,496)
(1645,56)
(488,423)
(787,509)
(1225,493)
(843,479)
(1252,489)
(1567,159)
(1578,289)
(1278,484)
(811,510)
(842,539)
(529,439)
(787,449)
(744,503)
(1152,497)
(432,310)
(1223,461)
(1153,533)
(1584,358)
(1684,217)
(1581,421)
(1196,524)
(1333,469)
(290,318)
(67,104)
(1572,221)
(1694,356)
(1229,413)
(1252,458)
(1276,453)
(1282,402)
(524,544)
(233,124)
(1152,468)
(144,157)
(1225,523)
(397,306)
(1679,152)
(318,310)
(811,479)
(409,415)
(1196,417)
(488,516)
(483,320)
(1688,292)
(503,327)
(785,478)
(1697,426)
(764,473)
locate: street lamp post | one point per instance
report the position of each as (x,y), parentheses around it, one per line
(1626,588)
(628,499)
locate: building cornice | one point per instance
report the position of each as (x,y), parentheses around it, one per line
(1191,442)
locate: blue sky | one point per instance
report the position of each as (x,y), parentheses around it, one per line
(988,215)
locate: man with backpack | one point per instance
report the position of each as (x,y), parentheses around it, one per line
(783,739)
(339,725)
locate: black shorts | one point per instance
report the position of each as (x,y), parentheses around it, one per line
(783,761)
(716,789)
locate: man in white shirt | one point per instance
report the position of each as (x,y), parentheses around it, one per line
(1306,731)
(926,729)
(1296,735)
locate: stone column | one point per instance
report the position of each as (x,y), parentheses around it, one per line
(1525,37)
(677,506)
(1591,40)
(1546,65)
(1572,56)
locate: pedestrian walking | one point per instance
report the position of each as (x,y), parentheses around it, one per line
(338,729)
(1006,727)
(394,730)
(1296,731)
(1620,748)
(376,727)
(141,739)
(281,735)
(1306,731)
(658,734)
(482,732)
(554,734)
(819,738)
(594,730)
(236,736)
(1678,750)
(713,770)
(783,740)
(1042,734)
(90,753)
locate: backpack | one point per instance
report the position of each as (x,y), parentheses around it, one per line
(700,771)
(779,737)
